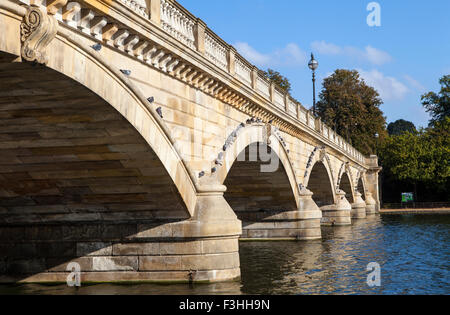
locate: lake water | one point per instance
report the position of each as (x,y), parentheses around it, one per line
(412,250)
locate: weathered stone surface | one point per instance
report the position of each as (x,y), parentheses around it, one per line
(121,263)
(158,263)
(27,266)
(94,249)
(134,249)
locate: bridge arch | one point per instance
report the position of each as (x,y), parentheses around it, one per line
(346,186)
(88,67)
(248,138)
(361,184)
(75,158)
(319,178)
(346,182)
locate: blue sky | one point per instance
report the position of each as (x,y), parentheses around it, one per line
(402,59)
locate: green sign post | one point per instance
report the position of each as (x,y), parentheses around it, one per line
(407,197)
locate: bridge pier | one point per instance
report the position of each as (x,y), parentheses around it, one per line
(301,224)
(370,204)
(339,213)
(358,207)
(202,249)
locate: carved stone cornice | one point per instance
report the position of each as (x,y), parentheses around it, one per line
(37,30)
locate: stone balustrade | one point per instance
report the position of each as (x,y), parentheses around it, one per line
(216,51)
(178,24)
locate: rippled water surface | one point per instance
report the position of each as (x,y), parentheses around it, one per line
(412,251)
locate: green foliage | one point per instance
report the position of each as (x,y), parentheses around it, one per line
(438,105)
(351,107)
(422,157)
(408,157)
(398,127)
(439,137)
(280,80)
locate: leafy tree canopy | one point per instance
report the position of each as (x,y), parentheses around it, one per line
(398,127)
(419,157)
(438,105)
(280,80)
(352,108)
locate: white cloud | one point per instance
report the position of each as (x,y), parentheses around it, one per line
(325,48)
(368,54)
(414,84)
(376,56)
(291,55)
(389,87)
(251,54)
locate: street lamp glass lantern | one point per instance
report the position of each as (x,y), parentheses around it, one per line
(313,64)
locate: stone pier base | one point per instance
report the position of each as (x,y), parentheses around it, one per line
(292,225)
(301,224)
(339,213)
(202,249)
(117,253)
(371,207)
(358,207)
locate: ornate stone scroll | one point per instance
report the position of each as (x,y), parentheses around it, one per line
(36,32)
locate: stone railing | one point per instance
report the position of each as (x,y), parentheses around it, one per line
(87,16)
(216,51)
(263,86)
(178,24)
(137,5)
(243,70)
(278,99)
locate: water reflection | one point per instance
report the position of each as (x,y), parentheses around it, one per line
(412,251)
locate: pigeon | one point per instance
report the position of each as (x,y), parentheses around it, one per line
(97,47)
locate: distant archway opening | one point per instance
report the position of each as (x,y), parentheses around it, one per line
(254,194)
(361,189)
(347,187)
(320,185)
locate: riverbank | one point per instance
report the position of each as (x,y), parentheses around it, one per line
(416,211)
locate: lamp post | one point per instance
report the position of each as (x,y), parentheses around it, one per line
(380,176)
(376,143)
(313,65)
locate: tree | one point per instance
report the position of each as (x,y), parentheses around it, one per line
(408,157)
(420,159)
(439,138)
(438,105)
(398,127)
(351,107)
(278,79)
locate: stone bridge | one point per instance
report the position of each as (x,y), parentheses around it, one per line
(137,143)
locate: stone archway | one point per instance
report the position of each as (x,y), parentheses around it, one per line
(321,185)
(346,186)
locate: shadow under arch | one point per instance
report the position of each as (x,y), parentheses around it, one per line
(361,186)
(346,186)
(98,75)
(261,184)
(321,185)
(252,136)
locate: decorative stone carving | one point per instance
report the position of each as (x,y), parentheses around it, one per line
(37,31)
